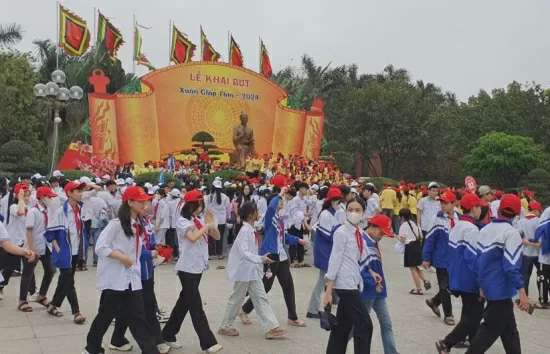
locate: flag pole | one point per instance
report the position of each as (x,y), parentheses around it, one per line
(260,54)
(58,34)
(94,26)
(229,47)
(202,45)
(134,53)
(170,40)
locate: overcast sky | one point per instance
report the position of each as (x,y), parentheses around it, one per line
(460,45)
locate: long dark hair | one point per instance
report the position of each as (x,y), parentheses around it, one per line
(218,192)
(125,217)
(247,210)
(357,199)
(189,208)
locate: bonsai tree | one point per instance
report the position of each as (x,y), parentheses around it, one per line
(202,137)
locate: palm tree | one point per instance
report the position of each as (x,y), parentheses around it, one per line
(10,34)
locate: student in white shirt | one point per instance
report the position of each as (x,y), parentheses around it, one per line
(172,202)
(244,269)
(427,209)
(162,217)
(15,225)
(36,222)
(344,276)
(193,236)
(8,247)
(220,205)
(119,275)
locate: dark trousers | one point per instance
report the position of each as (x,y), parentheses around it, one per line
(498,321)
(281,271)
(296,252)
(172,241)
(527,265)
(545,282)
(28,283)
(87,235)
(65,287)
(150,307)
(190,301)
(8,263)
(215,247)
(128,307)
(470,317)
(351,313)
(443,297)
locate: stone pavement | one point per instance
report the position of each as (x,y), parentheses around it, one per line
(415,327)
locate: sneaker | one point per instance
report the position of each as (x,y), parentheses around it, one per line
(275,333)
(462,344)
(228,331)
(163,348)
(312,315)
(434,308)
(174,345)
(214,349)
(449,320)
(442,347)
(244,318)
(123,348)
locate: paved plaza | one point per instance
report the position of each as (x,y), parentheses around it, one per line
(415,327)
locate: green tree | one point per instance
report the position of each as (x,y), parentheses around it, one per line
(538,180)
(10,34)
(19,157)
(501,159)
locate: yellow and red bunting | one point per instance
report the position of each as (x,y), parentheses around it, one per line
(182,49)
(139,56)
(74,36)
(109,35)
(235,54)
(265,63)
(208,52)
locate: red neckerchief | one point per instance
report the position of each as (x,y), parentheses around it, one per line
(453,222)
(281,230)
(359,240)
(139,232)
(198,225)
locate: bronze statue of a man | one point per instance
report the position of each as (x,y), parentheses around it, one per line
(243,139)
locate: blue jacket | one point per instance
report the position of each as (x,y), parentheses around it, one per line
(374,263)
(273,227)
(542,233)
(323,238)
(146,258)
(499,260)
(436,243)
(58,230)
(462,256)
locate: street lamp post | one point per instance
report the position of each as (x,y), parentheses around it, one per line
(57,97)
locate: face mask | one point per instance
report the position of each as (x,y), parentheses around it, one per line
(354,218)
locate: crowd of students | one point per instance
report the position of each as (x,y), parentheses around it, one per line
(483,245)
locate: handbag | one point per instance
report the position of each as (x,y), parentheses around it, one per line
(327,319)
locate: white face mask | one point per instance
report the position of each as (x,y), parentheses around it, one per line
(354,218)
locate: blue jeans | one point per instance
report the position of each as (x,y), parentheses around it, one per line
(380,307)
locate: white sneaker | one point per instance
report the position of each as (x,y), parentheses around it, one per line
(214,349)
(174,345)
(123,348)
(163,348)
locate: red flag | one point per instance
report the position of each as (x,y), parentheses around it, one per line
(182,48)
(235,54)
(109,35)
(74,36)
(265,63)
(208,52)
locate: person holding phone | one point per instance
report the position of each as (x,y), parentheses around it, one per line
(245,271)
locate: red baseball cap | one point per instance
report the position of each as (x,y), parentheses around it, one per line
(45,192)
(135,193)
(447,197)
(469,200)
(383,222)
(72,185)
(279,181)
(20,186)
(511,203)
(193,196)
(534,205)
(334,193)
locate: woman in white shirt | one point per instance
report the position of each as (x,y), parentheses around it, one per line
(193,236)
(411,235)
(119,274)
(218,203)
(344,276)
(244,269)
(15,225)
